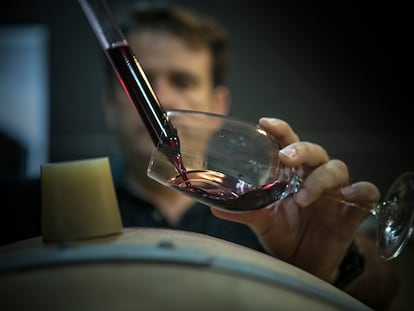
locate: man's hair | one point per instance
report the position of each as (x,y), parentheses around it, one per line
(196,30)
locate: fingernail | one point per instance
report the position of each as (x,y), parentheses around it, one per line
(348,192)
(289,151)
(301,197)
(266,120)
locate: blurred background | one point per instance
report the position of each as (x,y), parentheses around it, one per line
(338,72)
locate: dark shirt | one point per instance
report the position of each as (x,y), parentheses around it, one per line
(138,213)
(21,216)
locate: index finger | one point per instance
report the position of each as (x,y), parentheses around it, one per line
(280,130)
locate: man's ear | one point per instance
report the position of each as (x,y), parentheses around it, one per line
(221,100)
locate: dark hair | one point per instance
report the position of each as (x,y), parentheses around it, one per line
(196,30)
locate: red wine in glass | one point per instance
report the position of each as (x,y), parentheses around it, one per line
(227,192)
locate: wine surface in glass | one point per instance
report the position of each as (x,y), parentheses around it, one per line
(227,192)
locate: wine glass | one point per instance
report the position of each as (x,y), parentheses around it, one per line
(234,166)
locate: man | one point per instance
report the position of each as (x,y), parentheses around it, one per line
(185,57)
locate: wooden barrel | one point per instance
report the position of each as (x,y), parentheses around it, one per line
(157,269)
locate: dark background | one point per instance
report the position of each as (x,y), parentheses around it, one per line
(338,72)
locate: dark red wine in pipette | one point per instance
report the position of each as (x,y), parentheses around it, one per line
(227,192)
(140,93)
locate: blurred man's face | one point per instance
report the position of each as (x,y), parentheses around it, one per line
(181,78)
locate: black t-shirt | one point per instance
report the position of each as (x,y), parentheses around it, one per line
(138,213)
(21,216)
